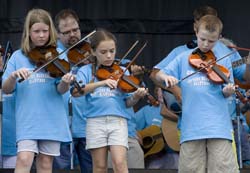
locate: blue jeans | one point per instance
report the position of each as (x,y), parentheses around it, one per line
(84,156)
(63,161)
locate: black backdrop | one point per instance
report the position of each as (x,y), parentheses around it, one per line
(163,23)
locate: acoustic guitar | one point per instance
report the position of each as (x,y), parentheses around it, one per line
(152,140)
(243,60)
(247,114)
(169,124)
(170,133)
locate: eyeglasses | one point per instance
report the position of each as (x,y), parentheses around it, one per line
(67,33)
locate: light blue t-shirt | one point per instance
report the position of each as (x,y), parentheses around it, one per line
(171,56)
(147,116)
(60,46)
(103,100)
(40,111)
(219,47)
(78,119)
(131,123)
(8,125)
(203,104)
(67,94)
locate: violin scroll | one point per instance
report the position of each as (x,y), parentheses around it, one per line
(1,51)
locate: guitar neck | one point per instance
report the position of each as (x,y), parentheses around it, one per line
(239,62)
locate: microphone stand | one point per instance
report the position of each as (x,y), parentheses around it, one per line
(238,130)
(71,144)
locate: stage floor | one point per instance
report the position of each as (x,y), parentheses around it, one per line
(110,171)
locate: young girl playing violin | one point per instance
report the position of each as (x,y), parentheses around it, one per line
(106,117)
(41,121)
(206,129)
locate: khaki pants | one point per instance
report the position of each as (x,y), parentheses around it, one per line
(216,155)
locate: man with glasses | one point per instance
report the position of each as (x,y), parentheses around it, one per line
(67,24)
(69,33)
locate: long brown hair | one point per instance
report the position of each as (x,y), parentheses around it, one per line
(37,16)
(99,36)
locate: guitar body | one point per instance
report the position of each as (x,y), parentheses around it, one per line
(247,114)
(152,139)
(170,133)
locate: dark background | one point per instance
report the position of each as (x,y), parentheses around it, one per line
(165,24)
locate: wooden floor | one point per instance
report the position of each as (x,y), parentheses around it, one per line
(110,171)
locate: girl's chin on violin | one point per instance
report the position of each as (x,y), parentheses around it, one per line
(204,50)
(108,63)
(40,43)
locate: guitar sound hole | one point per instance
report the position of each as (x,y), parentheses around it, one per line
(147,142)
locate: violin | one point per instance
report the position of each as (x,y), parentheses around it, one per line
(115,72)
(213,71)
(79,53)
(125,83)
(151,99)
(57,68)
(41,55)
(205,62)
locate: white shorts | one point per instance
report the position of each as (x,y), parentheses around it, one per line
(8,162)
(47,147)
(106,131)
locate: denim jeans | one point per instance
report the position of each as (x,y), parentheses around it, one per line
(63,161)
(84,156)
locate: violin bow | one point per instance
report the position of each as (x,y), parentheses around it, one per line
(55,58)
(239,48)
(130,49)
(137,54)
(151,98)
(132,61)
